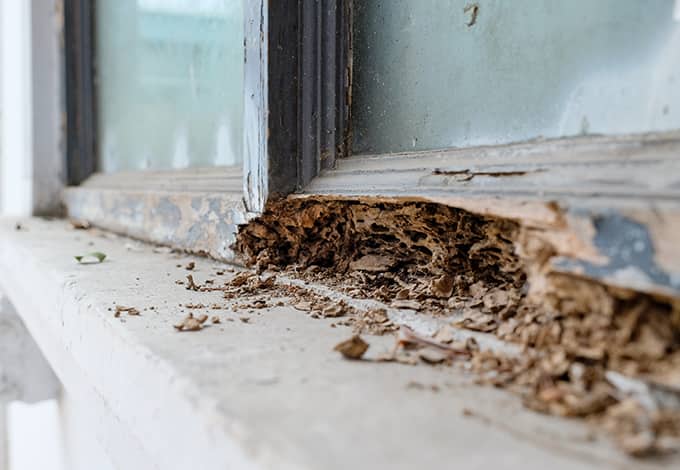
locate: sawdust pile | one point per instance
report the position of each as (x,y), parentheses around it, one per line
(588,349)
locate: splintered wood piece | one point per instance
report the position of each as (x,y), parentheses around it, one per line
(353,348)
(191,323)
(407,336)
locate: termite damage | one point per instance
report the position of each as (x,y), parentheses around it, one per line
(587,350)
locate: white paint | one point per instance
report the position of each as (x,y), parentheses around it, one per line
(48,106)
(24,373)
(35,437)
(82,451)
(31,132)
(25,376)
(16,94)
(255,111)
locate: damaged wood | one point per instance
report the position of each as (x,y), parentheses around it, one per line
(498,275)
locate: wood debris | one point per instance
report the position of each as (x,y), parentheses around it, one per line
(335,310)
(80,224)
(494,276)
(190,266)
(132,311)
(191,323)
(407,304)
(442,287)
(372,263)
(191,284)
(353,348)
(406,337)
(374,322)
(303,305)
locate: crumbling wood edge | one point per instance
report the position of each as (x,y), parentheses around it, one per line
(627,248)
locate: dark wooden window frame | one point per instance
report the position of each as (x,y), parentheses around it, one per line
(296,122)
(298,82)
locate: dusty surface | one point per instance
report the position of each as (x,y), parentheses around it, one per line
(582,342)
(268,392)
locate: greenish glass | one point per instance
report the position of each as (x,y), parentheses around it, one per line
(169,81)
(432,74)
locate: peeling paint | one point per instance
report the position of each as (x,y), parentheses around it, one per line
(630,253)
(205,224)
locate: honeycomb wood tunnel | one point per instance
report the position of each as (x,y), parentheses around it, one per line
(416,240)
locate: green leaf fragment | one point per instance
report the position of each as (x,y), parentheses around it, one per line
(91,258)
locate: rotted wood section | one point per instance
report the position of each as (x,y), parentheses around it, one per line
(609,206)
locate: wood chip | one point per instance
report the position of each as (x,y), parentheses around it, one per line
(444,335)
(80,224)
(191,284)
(403,294)
(333,311)
(432,355)
(407,336)
(442,287)
(353,348)
(372,263)
(133,312)
(406,304)
(191,323)
(303,306)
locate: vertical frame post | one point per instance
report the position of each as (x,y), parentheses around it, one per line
(80,90)
(297,100)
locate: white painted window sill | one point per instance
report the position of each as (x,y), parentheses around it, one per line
(270,393)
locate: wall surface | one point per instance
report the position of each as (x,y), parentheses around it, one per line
(31,426)
(31,163)
(16,96)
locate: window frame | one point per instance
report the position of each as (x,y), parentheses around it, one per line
(296,97)
(297,116)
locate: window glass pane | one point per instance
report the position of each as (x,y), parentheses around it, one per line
(433,74)
(169,76)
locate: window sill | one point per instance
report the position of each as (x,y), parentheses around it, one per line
(265,394)
(194,209)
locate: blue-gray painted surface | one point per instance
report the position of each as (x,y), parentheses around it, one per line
(629,250)
(169,84)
